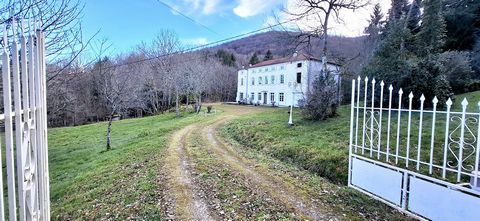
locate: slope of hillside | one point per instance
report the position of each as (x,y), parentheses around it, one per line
(345,50)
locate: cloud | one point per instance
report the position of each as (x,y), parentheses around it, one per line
(350,23)
(210,6)
(196,7)
(248,8)
(195,4)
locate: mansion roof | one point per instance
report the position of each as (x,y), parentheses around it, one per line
(295,57)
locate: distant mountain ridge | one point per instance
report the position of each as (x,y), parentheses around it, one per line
(343,50)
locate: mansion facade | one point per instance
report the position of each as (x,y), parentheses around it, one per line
(281,82)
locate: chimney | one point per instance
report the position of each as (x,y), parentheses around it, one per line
(295,54)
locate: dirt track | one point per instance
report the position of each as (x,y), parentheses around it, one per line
(209,180)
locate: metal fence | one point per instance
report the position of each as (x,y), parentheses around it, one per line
(412,157)
(25,141)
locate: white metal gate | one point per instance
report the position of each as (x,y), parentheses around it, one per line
(415,157)
(24,116)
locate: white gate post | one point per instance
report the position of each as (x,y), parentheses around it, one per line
(26,70)
(352,108)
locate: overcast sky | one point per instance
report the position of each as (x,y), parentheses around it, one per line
(126,23)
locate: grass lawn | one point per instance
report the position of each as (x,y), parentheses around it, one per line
(319,147)
(322,147)
(123,183)
(88,182)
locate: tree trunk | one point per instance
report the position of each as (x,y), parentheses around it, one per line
(109,129)
(177,107)
(325,33)
(199,106)
(325,41)
(186,107)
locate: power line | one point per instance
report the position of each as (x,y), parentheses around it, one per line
(188,17)
(208,44)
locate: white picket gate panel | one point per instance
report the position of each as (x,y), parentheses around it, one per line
(26,147)
(422,161)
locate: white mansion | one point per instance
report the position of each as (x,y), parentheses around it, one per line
(282,81)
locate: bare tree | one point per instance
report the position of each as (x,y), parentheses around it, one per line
(164,49)
(112,82)
(321,11)
(323,97)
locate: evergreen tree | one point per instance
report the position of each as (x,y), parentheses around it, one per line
(373,31)
(412,58)
(398,10)
(226,58)
(268,56)
(442,89)
(254,59)
(431,37)
(233,59)
(476,58)
(322,100)
(462,20)
(390,61)
(414,16)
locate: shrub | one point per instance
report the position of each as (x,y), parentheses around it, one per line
(456,66)
(322,100)
(209,108)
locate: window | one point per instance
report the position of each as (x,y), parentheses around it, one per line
(282,79)
(299,77)
(266,80)
(241,96)
(299,65)
(259,96)
(252,96)
(282,67)
(259,80)
(241,83)
(272,97)
(253,71)
(272,79)
(259,70)
(266,69)
(282,97)
(253,81)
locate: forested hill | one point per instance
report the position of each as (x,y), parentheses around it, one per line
(347,50)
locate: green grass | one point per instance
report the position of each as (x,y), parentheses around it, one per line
(318,147)
(322,147)
(87,181)
(472,97)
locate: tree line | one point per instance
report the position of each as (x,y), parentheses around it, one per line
(429,46)
(155,78)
